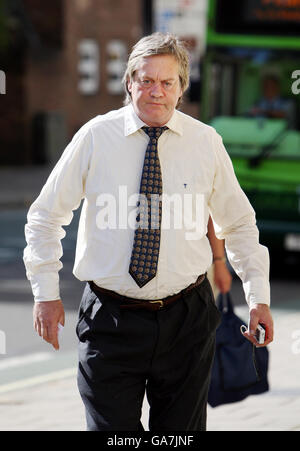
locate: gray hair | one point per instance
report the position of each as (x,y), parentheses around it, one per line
(158,44)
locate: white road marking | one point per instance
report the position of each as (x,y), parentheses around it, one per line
(14,362)
(32,381)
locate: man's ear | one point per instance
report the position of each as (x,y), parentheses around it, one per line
(129,85)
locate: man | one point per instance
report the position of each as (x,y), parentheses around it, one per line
(272,105)
(147,317)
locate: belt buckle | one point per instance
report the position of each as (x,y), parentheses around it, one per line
(157,301)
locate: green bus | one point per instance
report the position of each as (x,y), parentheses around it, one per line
(251,95)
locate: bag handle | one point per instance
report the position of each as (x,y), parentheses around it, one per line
(224,303)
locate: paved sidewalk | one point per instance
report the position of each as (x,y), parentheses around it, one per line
(55,405)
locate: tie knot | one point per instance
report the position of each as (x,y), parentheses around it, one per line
(154,132)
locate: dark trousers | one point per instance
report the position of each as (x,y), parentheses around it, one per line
(168,353)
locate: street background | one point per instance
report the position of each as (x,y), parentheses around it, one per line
(64,63)
(38,388)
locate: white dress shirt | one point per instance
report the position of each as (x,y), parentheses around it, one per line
(103,165)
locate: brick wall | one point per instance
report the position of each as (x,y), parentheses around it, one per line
(52,83)
(47,81)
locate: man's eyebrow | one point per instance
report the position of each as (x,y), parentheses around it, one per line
(150,78)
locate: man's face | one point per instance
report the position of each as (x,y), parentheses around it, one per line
(155,89)
(271,88)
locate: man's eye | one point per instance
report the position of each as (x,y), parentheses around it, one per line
(168,84)
(146,82)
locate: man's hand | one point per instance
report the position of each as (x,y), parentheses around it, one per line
(260,314)
(46,316)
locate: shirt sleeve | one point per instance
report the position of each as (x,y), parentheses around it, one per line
(53,209)
(235,222)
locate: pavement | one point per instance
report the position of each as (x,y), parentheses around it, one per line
(51,402)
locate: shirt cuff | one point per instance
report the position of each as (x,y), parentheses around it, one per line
(257,291)
(45,287)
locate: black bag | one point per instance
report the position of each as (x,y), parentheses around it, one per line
(239,369)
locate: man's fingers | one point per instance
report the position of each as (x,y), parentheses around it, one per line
(253,340)
(37,327)
(253,323)
(250,337)
(62,319)
(46,316)
(260,314)
(269,333)
(48,332)
(44,332)
(250,332)
(52,335)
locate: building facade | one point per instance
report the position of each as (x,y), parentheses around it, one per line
(63,61)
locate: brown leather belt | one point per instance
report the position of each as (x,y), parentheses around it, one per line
(135,304)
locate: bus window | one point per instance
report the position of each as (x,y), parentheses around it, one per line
(252,52)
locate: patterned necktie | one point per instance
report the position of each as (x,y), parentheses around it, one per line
(145,251)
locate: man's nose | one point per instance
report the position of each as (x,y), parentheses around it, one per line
(156,90)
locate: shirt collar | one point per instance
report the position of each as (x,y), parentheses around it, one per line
(133,123)
(175,123)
